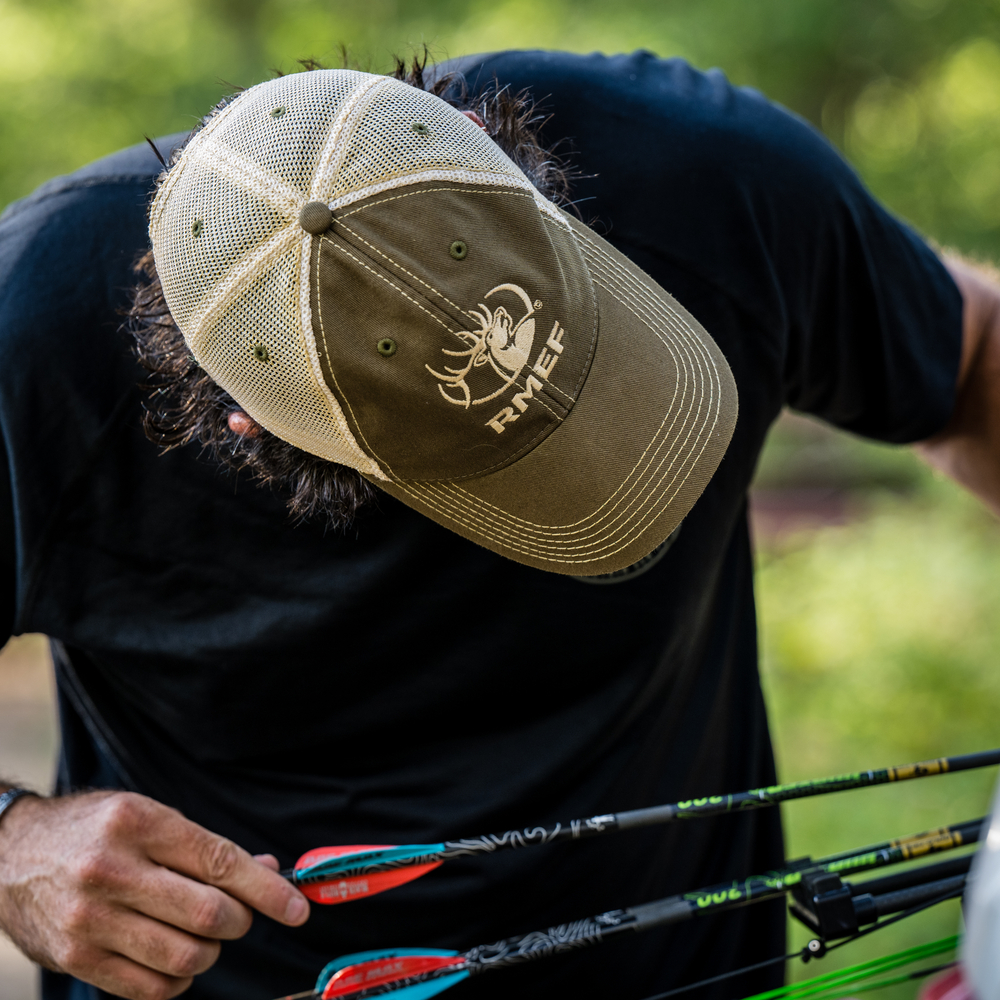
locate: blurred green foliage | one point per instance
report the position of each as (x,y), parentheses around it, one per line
(880,644)
(803,454)
(880,641)
(910,89)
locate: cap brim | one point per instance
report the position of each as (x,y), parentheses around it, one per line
(647,432)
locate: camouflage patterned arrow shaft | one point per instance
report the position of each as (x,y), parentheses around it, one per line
(677,909)
(376,860)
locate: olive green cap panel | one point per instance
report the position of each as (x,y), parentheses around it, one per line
(451,364)
(647,433)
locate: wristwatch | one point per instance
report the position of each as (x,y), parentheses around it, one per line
(8,798)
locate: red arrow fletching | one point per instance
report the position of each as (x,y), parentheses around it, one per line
(380,971)
(342,890)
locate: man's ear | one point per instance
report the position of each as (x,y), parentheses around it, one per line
(243,424)
(472,116)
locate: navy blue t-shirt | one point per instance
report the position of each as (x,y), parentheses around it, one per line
(291,687)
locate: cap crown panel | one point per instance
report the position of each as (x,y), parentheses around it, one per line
(490,349)
(406,132)
(257,352)
(219,225)
(283,125)
(229,253)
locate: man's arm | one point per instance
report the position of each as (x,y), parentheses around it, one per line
(8,557)
(968,449)
(125,893)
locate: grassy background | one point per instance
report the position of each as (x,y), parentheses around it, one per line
(880,643)
(879,635)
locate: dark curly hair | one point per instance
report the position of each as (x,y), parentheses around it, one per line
(186,406)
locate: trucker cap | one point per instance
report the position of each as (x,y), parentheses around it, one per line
(375,282)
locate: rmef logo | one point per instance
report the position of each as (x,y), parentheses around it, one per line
(499,350)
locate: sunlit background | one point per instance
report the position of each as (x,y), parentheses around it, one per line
(877,582)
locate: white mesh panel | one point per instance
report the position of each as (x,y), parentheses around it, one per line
(233,223)
(282,392)
(290,144)
(384,145)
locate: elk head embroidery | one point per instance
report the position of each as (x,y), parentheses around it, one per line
(499,342)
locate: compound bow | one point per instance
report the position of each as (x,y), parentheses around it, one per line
(836,910)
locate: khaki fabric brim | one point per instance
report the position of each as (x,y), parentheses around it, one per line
(649,428)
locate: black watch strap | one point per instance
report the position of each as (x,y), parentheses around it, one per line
(8,798)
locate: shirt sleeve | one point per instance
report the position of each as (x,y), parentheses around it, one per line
(874,320)
(848,313)
(66,255)
(862,321)
(863,318)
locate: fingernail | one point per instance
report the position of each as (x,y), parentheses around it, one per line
(296,910)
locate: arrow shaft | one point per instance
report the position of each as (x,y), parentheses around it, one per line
(374,861)
(727,896)
(758,798)
(715,805)
(678,909)
(730,895)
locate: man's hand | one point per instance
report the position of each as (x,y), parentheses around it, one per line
(127,894)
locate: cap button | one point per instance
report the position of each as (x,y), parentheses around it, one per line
(315,217)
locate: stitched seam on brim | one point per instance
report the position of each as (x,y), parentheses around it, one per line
(686,341)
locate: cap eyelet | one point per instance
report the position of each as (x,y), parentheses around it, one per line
(420,128)
(196,228)
(278,111)
(261,353)
(458,250)
(386,347)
